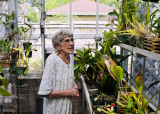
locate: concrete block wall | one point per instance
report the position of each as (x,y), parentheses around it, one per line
(27,101)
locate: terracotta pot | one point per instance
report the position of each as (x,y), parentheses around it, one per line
(6,63)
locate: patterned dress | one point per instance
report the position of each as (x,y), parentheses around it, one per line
(57,76)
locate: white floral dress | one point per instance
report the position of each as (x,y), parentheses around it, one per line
(57,76)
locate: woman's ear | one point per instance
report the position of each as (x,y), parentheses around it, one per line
(58,47)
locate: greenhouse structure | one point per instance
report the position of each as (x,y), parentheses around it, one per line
(79,57)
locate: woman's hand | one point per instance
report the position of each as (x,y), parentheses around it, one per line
(73,91)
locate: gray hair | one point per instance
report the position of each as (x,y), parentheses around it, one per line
(59,36)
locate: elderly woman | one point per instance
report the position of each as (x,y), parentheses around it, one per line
(57,84)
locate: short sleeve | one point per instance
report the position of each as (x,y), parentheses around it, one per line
(72,61)
(46,85)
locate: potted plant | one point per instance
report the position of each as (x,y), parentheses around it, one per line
(124,7)
(152,44)
(140,31)
(135,102)
(5,52)
(108,80)
(85,65)
(91,64)
(22,62)
(26,32)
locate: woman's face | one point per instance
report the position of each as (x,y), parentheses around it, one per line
(67,45)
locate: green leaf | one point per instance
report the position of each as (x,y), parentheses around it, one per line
(77,59)
(92,66)
(107,24)
(103,80)
(130,103)
(76,74)
(93,75)
(114,13)
(121,104)
(28,51)
(76,66)
(26,70)
(157,110)
(4,92)
(79,52)
(113,50)
(118,72)
(1,69)
(4,81)
(148,14)
(146,103)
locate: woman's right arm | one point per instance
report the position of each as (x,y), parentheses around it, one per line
(73,92)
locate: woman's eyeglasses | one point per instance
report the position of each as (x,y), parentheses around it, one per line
(68,40)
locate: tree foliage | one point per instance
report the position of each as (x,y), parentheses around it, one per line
(107,2)
(33,16)
(50,4)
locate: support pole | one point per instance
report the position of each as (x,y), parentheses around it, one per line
(71,26)
(16,14)
(97,17)
(42,27)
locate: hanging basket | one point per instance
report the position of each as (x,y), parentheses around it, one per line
(26,45)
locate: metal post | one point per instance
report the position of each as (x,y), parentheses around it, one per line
(16,15)
(71,26)
(42,27)
(82,99)
(97,17)
(131,67)
(121,53)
